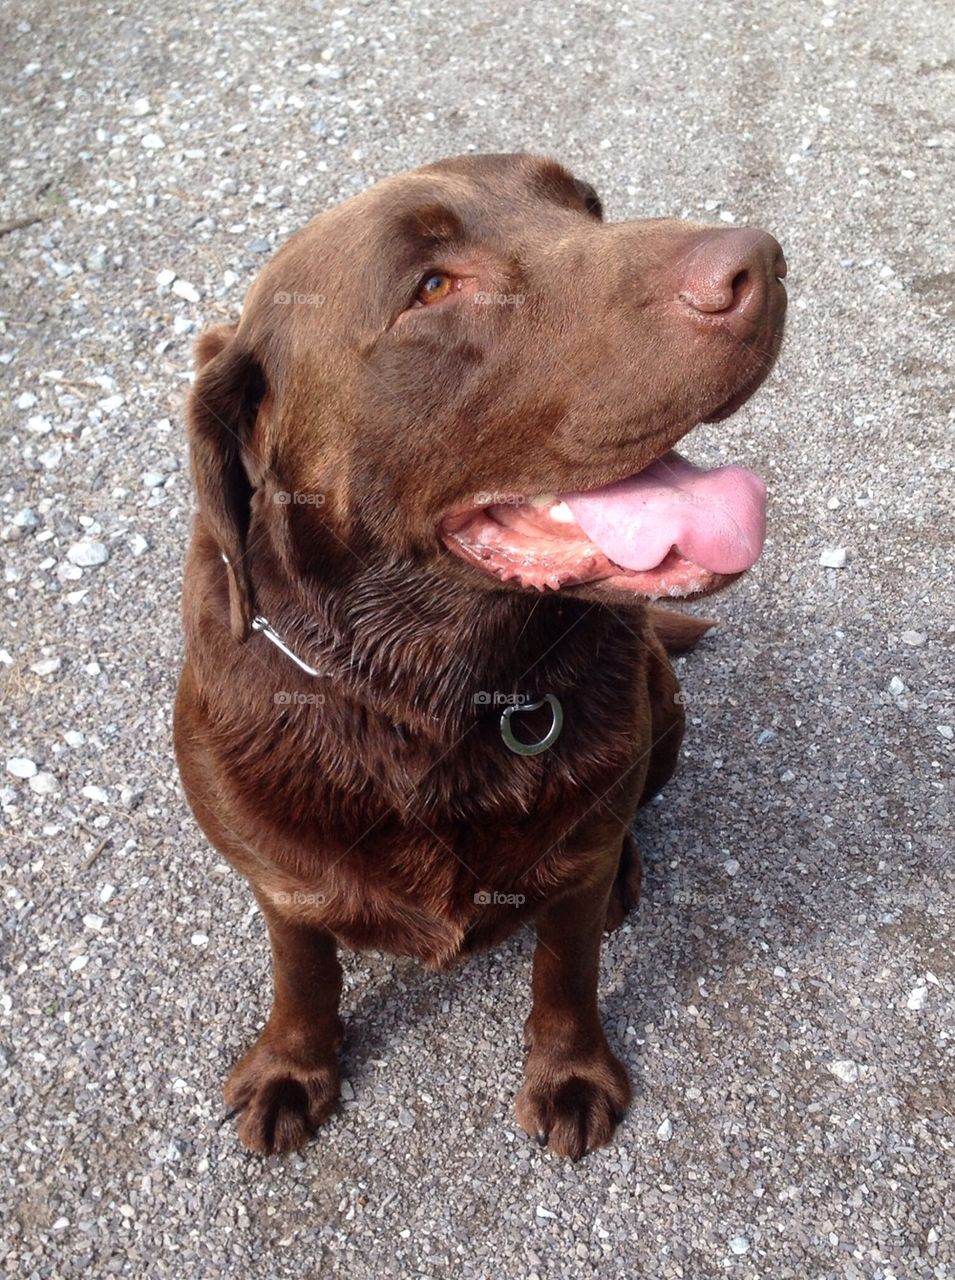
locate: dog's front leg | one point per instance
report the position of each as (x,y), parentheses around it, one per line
(287,1083)
(575,1091)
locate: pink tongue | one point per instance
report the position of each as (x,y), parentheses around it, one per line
(717,519)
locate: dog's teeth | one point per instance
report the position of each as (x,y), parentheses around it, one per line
(561,513)
(542,500)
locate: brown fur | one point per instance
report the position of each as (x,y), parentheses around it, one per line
(375,805)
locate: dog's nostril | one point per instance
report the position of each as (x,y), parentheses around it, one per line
(708,298)
(738,283)
(725,272)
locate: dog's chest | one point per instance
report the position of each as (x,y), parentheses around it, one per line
(427,840)
(455,851)
(433,895)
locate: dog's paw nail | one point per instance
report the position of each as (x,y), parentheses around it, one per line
(541,1138)
(229,1115)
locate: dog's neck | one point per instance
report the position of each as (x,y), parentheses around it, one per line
(426,651)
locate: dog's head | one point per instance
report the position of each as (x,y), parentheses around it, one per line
(467,370)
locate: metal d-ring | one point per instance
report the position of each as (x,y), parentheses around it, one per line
(550,737)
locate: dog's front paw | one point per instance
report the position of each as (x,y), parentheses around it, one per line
(573,1103)
(281,1097)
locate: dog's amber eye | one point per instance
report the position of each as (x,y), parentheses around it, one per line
(434,288)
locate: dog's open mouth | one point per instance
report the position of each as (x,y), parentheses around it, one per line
(673,529)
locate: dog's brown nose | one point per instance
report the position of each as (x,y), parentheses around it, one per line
(729,274)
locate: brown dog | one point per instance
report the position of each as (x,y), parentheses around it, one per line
(423,692)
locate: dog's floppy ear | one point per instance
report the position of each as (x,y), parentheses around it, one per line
(222,409)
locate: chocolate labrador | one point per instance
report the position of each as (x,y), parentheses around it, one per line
(424,688)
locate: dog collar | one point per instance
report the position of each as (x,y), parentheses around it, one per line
(513,743)
(263,625)
(510,740)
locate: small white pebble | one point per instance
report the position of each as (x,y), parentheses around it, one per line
(80,962)
(95,793)
(138,545)
(896,686)
(183,289)
(739,1245)
(165,278)
(917,997)
(833,558)
(73,738)
(21,767)
(913,638)
(665,1129)
(45,666)
(94,922)
(199,939)
(945,730)
(152,142)
(87,553)
(844,1069)
(43,784)
(731,866)
(544,1213)
(106,893)
(141,107)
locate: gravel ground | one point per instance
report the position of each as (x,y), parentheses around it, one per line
(784,995)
